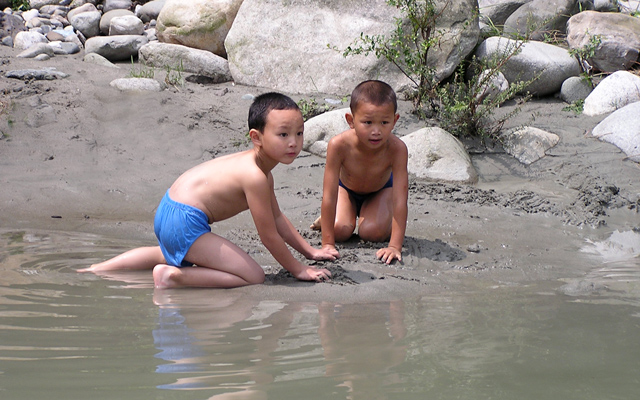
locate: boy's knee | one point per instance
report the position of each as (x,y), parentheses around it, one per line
(257,278)
(373,234)
(343,232)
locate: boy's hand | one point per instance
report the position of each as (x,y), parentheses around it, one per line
(327,252)
(314,274)
(389,254)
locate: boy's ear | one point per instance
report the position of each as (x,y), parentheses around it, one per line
(349,118)
(255,137)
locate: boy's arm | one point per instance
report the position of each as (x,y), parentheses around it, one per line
(330,195)
(399,201)
(259,195)
(292,237)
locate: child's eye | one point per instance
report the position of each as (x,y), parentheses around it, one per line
(284,134)
(300,133)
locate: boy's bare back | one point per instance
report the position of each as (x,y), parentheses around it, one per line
(218,187)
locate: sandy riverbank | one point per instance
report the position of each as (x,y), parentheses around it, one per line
(80,156)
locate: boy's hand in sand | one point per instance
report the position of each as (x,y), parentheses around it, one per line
(325,253)
(314,274)
(389,254)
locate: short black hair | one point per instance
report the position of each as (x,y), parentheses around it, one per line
(263,104)
(375,92)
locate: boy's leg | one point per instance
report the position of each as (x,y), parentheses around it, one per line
(345,216)
(136,259)
(376,215)
(220,264)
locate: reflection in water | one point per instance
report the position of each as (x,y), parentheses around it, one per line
(279,343)
(69,335)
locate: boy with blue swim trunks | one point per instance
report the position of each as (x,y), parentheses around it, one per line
(219,189)
(366,177)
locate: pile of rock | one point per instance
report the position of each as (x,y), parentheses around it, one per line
(291,48)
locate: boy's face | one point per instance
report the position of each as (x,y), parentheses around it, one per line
(282,137)
(373,124)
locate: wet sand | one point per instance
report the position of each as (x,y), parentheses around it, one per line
(80,156)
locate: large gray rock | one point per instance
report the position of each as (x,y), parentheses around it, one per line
(496,12)
(150,10)
(618,36)
(322,128)
(539,18)
(549,65)
(36,50)
(105,21)
(25,39)
(137,85)
(436,155)
(286,48)
(116,48)
(175,56)
(10,25)
(622,129)
(126,25)
(201,24)
(613,92)
(38,4)
(87,7)
(575,88)
(88,23)
(529,144)
(109,5)
(629,7)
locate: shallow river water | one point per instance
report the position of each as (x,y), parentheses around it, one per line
(77,336)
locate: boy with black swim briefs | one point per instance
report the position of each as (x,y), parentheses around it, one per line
(219,189)
(366,177)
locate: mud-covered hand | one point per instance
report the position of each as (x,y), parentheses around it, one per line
(327,252)
(388,254)
(314,274)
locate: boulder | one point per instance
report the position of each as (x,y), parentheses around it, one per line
(622,129)
(614,37)
(292,49)
(87,23)
(105,21)
(177,57)
(529,144)
(496,12)
(436,155)
(81,9)
(629,7)
(137,85)
(201,24)
(126,25)
(538,19)
(25,39)
(36,50)
(547,65)
(575,88)
(38,4)
(151,10)
(322,128)
(116,48)
(110,5)
(10,25)
(613,92)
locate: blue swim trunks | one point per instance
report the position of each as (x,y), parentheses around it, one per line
(360,198)
(177,226)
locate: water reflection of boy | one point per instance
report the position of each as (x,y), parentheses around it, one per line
(346,329)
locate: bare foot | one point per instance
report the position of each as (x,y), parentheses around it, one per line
(165,276)
(316,225)
(92,268)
